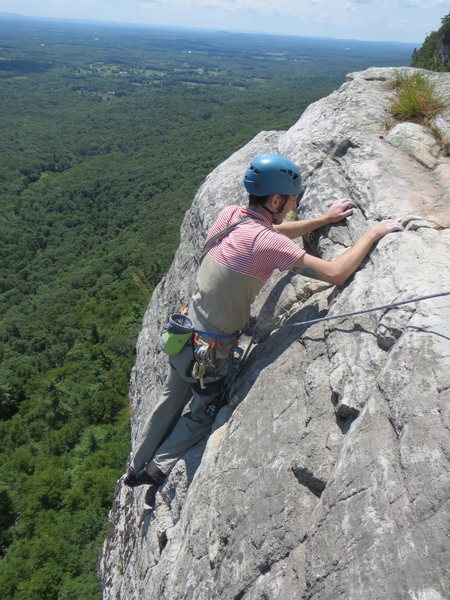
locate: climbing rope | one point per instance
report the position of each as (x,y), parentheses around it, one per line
(329,318)
(366,310)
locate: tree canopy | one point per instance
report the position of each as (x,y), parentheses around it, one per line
(434,54)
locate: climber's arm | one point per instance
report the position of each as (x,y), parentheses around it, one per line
(337,271)
(338,211)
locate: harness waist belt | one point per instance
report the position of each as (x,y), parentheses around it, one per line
(216,335)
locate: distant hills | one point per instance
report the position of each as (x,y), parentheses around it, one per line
(115,24)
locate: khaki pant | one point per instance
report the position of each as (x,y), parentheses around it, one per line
(167,434)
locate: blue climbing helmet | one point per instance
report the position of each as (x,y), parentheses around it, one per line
(271,174)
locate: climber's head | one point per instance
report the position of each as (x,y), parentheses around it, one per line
(271,180)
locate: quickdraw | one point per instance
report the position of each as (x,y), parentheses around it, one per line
(205,354)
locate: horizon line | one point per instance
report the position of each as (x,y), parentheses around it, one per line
(87,21)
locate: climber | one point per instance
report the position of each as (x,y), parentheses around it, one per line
(232,272)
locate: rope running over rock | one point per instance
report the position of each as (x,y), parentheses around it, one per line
(366,310)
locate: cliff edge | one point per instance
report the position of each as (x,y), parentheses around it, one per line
(327,476)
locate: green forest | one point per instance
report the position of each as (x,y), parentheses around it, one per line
(434,53)
(106,134)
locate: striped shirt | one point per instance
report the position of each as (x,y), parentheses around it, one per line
(253,247)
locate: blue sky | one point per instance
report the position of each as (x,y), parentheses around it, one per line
(378,20)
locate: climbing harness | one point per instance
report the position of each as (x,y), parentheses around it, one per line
(179,330)
(205,355)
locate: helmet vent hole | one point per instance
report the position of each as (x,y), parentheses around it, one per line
(290,173)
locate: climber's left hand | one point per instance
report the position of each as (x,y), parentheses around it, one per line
(339,210)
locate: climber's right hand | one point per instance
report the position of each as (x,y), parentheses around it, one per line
(384,227)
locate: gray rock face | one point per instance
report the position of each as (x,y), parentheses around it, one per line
(327,475)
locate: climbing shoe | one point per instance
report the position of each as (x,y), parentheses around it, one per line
(133,479)
(142,477)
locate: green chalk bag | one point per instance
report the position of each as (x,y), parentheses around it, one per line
(175,334)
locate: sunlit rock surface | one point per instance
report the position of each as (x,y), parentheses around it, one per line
(327,478)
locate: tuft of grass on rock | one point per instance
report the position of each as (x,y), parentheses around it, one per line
(415,99)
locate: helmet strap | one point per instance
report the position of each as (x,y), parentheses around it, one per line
(276,213)
(273,214)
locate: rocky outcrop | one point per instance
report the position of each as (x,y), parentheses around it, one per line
(327,476)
